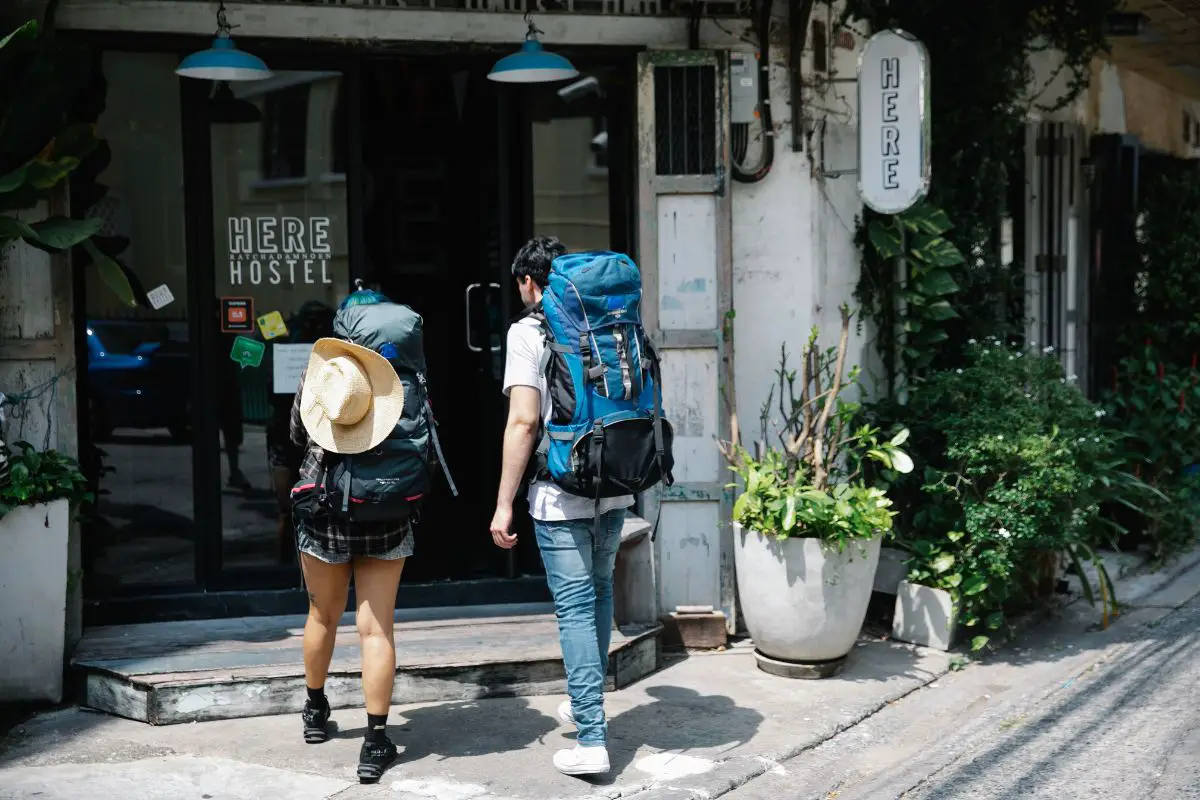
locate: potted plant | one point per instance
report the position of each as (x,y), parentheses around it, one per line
(37,491)
(811,515)
(1015,463)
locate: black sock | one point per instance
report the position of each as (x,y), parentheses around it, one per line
(376,727)
(316,697)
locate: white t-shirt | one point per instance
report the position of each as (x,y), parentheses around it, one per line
(547,501)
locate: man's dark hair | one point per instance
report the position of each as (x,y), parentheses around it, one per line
(534,259)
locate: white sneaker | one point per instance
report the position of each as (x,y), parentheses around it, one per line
(582,760)
(566,714)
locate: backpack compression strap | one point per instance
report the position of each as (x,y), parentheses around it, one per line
(431,421)
(660,448)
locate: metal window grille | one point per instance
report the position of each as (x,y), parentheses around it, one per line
(685,108)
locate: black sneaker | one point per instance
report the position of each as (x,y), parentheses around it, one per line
(315,721)
(374,758)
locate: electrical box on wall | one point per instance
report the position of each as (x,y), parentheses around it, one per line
(743,88)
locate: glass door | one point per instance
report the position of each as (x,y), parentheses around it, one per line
(281,266)
(134,418)
(436,236)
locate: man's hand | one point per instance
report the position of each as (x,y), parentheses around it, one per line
(502,533)
(524,405)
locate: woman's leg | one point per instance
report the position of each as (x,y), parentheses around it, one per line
(327,586)
(375,584)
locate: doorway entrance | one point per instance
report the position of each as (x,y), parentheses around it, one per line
(413,173)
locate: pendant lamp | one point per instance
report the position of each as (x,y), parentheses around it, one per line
(532,64)
(223,61)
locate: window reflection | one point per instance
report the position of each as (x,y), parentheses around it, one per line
(570,166)
(279,194)
(136,387)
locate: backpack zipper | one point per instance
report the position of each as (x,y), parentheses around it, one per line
(623,360)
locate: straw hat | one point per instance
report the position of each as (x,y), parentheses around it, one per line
(352,398)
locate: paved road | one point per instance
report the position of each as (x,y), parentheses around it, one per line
(1065,715)
(1128,730)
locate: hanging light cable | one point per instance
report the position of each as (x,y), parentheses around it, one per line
(223,61)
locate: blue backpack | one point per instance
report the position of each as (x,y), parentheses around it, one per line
(607,435)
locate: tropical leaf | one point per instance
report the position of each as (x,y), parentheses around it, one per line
(62,233)
(937,282)
(111,273)
(937,252)
(974,585)
(942,563)
(886,240)
(940,311)
(12,228)
(927,219)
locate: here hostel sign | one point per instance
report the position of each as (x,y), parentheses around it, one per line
(275,250)
(893,122)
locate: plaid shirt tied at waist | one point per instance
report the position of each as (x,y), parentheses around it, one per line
(360,539)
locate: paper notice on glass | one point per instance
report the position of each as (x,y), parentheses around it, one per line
(290,361)
(160,297)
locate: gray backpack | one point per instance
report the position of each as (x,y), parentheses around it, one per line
(389,482)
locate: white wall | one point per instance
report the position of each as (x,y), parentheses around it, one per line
(794,258)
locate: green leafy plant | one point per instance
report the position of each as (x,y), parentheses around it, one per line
(827,478)
(915,311)
(1154,408)
(32,477)
(982,90)
(1015,466)
(40,147)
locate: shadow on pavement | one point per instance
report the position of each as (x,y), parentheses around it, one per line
(461,730)
(679,720)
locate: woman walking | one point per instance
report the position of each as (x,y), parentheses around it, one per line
(362,418)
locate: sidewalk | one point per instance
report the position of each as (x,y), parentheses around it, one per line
(701,727)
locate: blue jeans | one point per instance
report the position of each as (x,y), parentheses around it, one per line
(579,570)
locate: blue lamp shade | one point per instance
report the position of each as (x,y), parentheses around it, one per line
(532,64)
(223,62)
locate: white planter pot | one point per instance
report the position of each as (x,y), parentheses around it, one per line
(925,616)
(891,570)
(33,614)
(803,603)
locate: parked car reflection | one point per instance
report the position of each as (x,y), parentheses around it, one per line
(137,377)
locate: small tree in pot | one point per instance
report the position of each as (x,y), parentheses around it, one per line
(811,514)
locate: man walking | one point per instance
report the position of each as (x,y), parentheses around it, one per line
(578,536)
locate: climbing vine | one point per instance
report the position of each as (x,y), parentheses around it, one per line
(919,295)
(982,90)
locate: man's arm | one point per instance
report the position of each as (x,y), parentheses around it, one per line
(520,439)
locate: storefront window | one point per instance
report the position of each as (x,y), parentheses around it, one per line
(282,267)
(570,171)
(136,387)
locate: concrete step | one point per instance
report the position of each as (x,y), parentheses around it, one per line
(172,672)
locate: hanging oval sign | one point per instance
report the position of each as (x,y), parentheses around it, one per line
(893,122)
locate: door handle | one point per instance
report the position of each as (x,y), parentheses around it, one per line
(470,344)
